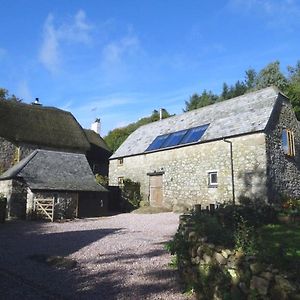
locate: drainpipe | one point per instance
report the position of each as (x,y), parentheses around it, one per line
(232,174)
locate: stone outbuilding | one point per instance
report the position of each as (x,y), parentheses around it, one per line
(245,148)
(64,177)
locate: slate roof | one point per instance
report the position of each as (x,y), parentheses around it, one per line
(40,125)
(240,115)
(95,139)
(53,170)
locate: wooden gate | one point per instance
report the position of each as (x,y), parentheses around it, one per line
(156,192)
(44,208)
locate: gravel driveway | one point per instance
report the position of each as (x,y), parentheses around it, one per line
(118,257)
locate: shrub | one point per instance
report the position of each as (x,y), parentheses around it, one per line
(103,180)
(131,192)
(245,238)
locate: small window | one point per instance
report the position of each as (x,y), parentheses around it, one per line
(213,179)
(120,181)
(120,161)
(288,142)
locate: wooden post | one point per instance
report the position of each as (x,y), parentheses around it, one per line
(53,200)
(197,208)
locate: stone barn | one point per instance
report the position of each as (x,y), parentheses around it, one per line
(55,184)
(243,148)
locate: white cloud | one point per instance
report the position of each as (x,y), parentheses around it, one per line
(114,52)
(76,30)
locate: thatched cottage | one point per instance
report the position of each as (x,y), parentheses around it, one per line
(64,177)
(246,147)
(27,127)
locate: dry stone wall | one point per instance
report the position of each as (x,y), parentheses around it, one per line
(185,171)
(230,272)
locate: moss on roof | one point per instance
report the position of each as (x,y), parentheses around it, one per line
(95,139)
(44,126)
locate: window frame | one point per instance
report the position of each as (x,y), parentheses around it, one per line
(288,142)
(211,183)
(120,161)
(120,181)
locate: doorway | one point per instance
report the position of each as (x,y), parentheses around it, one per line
(156,191)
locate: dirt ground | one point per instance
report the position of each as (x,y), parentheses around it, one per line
(118,257)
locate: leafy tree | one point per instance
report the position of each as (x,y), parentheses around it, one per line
(117,136)
(271,75)
(197,101)
(293,88)
(250,79)
(5,96)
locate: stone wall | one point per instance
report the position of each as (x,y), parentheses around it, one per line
(283,171)
(229,274)
(185,171)
(15,192)
(66,203)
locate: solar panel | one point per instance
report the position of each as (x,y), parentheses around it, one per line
(181,137)
(174,139)
(157,143)
(194,134)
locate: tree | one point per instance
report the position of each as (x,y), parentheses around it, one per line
(116,137)
(5,96)
(293,88)
(198,101)
(250,79)
(271,75)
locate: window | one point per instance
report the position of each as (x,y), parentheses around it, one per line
(120,181)
(288,142)
(213,179)
(120,161)
(181,137)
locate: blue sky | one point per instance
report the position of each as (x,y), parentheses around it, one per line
(120,60)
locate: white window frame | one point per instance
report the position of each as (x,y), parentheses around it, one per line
(210,182)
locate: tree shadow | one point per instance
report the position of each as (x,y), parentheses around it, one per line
(99,278)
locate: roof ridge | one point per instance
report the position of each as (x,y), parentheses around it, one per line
(218,103)
(17,168)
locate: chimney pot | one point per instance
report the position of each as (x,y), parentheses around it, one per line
(96,126)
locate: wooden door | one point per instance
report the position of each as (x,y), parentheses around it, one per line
(156,192)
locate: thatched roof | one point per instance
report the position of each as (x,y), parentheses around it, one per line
(53,170)
(44,126)
(241,115)
(95,139)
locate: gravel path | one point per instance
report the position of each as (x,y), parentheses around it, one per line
(118,257)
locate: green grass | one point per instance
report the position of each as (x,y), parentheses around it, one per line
(280,245)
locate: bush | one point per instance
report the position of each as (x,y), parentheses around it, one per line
(103,180)
(131,193)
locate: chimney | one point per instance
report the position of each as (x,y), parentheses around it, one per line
(96,126)
(160,113)
(36,102)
